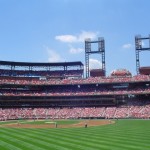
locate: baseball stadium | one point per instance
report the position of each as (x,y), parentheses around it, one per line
(68,106)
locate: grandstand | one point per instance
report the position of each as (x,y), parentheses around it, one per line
(59,90)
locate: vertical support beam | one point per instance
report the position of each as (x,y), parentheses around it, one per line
(138,45)
(87,52)
(103,63)
(100,50)
(139,48)
(137,62)
(87,64)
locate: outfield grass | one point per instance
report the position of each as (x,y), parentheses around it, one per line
(39,122)
(124,135)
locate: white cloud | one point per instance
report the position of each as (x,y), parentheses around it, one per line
(143,44)
(95,64)
(73,50)
(127,46)
(53,56)
(84,35)
(66,38)
(76,38)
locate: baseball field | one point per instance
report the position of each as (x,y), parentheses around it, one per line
(72,135)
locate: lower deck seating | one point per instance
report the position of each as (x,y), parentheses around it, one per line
(130,111)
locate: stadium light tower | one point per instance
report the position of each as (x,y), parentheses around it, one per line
(139,47)
(89,50)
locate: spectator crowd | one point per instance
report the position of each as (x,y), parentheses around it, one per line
(131,111)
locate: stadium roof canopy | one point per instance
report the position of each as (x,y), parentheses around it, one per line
(41,64)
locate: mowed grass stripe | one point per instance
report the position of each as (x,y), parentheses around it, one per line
(93,141)
(97,132)
(22,144)
(38,142)
(67,142)
(122,138)
(100,136)
(50,140)
(129,138)
(124,135)
(9,145)
(71,140)
(111,144)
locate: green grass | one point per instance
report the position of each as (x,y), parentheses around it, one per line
(7,122)
(39,122)
(61,122)
(124,135)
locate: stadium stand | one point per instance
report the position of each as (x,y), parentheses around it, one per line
(59,91)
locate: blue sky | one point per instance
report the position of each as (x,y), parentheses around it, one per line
(54,30)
